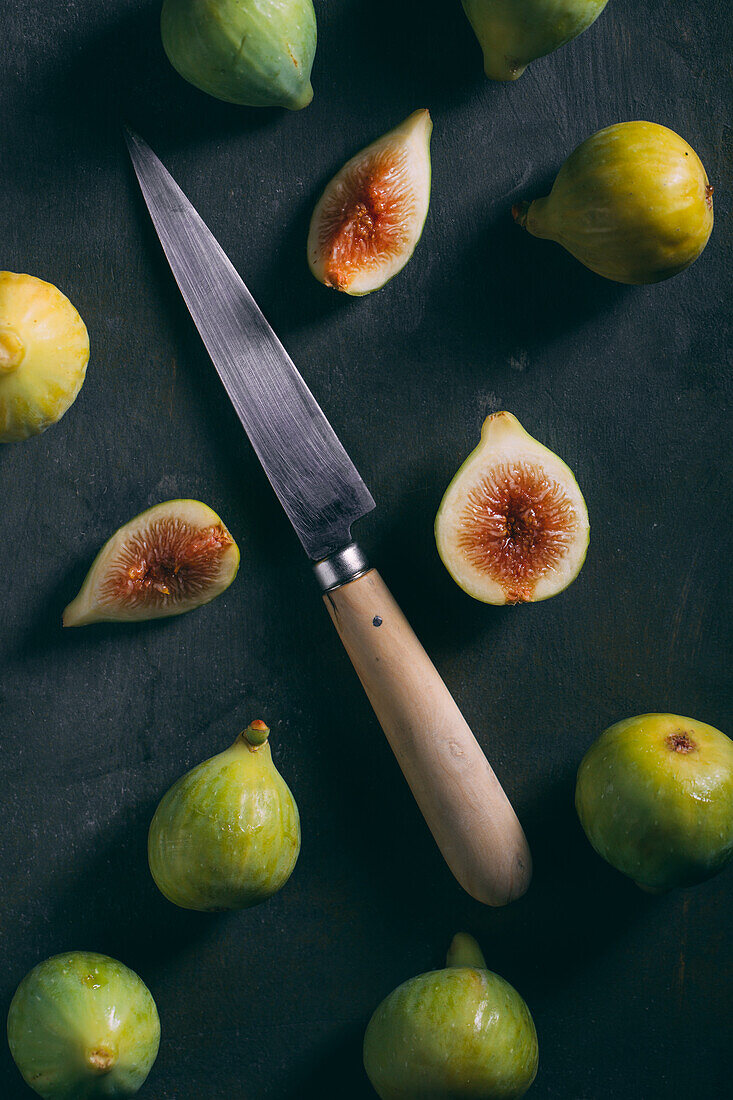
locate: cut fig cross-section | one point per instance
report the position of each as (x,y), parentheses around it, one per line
(370,217)
(512,526)
(175,556)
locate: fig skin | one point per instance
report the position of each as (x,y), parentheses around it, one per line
(381,197)
(82,1026)
(654,795)
(461,1032)
(255,53)
(505,443)
(512,33)
(227,833)
(44,351)
(95,604)
(632,203)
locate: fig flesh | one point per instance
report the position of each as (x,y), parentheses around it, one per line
(632,203)
(512,33)
(655,797)
(175,556)
(44,350)
(371,215)
(512,526)
(256,53)
(83,1026)
(461,1032)
(227,834)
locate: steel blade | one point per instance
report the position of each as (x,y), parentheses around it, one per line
(317,483)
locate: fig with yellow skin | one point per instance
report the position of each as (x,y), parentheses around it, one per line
(227,834)
(632,203)
(44,350)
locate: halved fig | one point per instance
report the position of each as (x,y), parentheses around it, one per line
(371,215)
(175,556)
(512,526)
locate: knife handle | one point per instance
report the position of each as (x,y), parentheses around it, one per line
(461,799)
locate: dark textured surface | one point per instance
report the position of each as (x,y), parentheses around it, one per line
(630,385)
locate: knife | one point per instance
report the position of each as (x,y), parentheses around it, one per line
(322,493)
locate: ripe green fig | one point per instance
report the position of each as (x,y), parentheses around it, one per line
(227,834)
(632,203)
(257,53)
(512,526)
(514,32)
(172,558)
(371,215)
(655,798)
(461,1032)
(83,1026)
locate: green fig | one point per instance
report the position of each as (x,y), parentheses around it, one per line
(655,798)
(461,1032)
(514,32)
(227,834)
(257,53)
(370,217)
(171,558)
(512,526)
(83,1026)
(632,203)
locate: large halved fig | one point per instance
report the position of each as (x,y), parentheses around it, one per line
(44,350)
(371,215)
(175,556)
(512,33)
(632,203)
(512,526)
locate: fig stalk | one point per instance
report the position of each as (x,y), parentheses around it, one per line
(12,350)
(465,951)
(256,733)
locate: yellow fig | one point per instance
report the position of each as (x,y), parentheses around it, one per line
(44,350)
(632,203)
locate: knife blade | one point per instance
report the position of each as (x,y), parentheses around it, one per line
(317,483)
(461,798)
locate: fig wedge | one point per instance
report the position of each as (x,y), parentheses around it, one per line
(44,350)
(371,215)
(172,558)
(632,203)
(512,526)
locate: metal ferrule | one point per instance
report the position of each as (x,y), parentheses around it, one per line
(340,568)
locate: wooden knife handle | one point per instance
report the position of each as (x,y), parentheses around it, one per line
(460,797)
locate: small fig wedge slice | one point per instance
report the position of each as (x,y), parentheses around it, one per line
(632,203)
(175,556)
(513,525)
(370,217)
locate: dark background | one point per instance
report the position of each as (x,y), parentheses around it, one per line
(629,385)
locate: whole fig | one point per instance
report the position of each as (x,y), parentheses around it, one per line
(632,203)
(227,834)
(83,1026)
(257,53)
(655,798)
(451,1034)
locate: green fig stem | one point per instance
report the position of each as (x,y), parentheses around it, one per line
(520,210)
(12,350)
(464,951)
(256,733)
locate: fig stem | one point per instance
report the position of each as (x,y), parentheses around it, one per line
(256,733)
(520,211)
(464,951)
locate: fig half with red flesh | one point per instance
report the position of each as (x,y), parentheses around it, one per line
(512,526)
(175,556)
(371,215)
